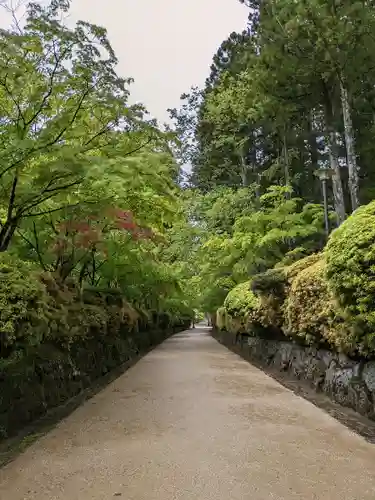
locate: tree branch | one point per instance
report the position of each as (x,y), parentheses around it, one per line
(46,187)
(12,196)
(55,139)
(34,247)
(21,211)
(53,210)
(8,91)
(52,76)
(139,147)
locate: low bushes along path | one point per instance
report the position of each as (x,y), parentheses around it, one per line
(193,421)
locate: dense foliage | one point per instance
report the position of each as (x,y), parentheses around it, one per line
(290,94)
(350,264)
(89,215)
(102,252)
(286,99)
(87,181)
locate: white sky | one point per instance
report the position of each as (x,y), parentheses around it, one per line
(165,45)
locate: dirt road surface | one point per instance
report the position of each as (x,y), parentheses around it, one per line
(192,421)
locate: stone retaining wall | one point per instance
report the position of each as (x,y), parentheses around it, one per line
(48,377)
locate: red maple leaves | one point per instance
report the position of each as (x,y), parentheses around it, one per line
(89,233)
(124,219)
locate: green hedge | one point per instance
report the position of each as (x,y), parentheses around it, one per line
(241,301)
(350,257)
(307,302)
(314,315)
(55,340)
(221,318)
(48,376)
(296,301)
(272,288)
(240,309)
(310,308)
(24,306)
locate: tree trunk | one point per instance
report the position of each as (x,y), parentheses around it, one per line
(6,234)
(244,172)
(338,192)
(313,147)
(312,157)
(353,168)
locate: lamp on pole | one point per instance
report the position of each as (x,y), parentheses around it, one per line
(324,174)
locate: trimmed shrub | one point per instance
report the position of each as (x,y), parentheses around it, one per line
(294,255)
(236,324)
(294,269)
(241,307)
(350,258)
(221,314)
(24,306)
(272,281)
(272,288)
(311,311)
(241,301)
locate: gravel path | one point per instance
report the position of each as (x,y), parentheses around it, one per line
(192,421)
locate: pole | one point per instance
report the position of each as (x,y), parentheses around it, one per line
(326,219)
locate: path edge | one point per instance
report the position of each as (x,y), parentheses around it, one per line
(352,420)
(11,448)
